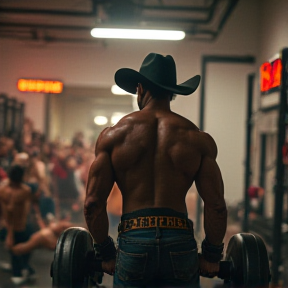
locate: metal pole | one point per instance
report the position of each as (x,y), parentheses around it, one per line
(201,127)
(245,224)
(262,176)
(279,188)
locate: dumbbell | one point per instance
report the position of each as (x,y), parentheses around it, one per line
(76,263)
(246,262)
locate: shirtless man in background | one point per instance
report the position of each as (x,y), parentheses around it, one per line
(16,200)
(155,155)
(44,238)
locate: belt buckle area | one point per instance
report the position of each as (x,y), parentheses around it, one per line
(168,222)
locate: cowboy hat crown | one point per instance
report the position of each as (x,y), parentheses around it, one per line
(158,70)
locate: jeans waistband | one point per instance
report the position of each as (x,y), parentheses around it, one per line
(154,217)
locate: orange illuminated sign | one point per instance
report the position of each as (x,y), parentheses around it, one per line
(41,86)
(270,75)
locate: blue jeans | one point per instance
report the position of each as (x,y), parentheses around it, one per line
(156,257)
(21,262)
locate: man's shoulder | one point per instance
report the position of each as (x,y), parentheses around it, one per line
(111,135)
(181,121)
(4,188)
(120,128)
(208,144)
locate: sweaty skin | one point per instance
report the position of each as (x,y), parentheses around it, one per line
(15,200)
(154,156)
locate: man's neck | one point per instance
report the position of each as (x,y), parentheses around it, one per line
(158,104)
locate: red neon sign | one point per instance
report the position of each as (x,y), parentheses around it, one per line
(270,75)
(40,86)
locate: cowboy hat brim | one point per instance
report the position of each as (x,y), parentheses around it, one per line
(128,80)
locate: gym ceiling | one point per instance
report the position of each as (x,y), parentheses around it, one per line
(72,20)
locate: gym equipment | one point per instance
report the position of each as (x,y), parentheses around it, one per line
(246,262)
(76,263)
(11,117)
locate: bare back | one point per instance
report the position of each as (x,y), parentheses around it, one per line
(155,156)
(15,205)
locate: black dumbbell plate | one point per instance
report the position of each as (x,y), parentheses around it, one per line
(250,264)
(69,265)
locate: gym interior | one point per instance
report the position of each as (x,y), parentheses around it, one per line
(56,97)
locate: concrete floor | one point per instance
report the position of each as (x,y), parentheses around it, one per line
(42,259)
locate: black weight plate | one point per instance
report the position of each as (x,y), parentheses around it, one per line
(249,258)
(69,264)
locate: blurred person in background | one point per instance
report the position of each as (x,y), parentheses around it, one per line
(78,140)
(3,181)
(83,169)
(33,179)
(44,238)
(7,152)
(114,210)
(28,128)
(46,203)
(64,181)
(3,154)
(3,177)
(16,201)
(256,200)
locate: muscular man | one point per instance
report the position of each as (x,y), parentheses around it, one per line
(16,200)
(154,156)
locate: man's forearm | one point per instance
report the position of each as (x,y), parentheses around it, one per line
(215,224)
(97,222)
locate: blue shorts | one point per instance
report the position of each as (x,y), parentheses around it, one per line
(155,257)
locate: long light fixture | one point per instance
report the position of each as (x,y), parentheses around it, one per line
(137,34)
(100,120)
(116,90)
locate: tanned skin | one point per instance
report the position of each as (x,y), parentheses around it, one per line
(15,200)
(45,238)
(154,156)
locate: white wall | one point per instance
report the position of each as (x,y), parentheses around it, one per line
(273,37)
(95,65)
(226,96)
(274,26)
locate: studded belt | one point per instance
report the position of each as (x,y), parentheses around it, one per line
(168,222)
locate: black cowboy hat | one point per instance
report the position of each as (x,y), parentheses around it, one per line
(158,70)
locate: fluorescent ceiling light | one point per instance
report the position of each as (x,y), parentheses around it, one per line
(137,34)
(115,89)
(100,120)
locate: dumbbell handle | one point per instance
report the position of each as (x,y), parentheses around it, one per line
(225,270)
(93,263)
